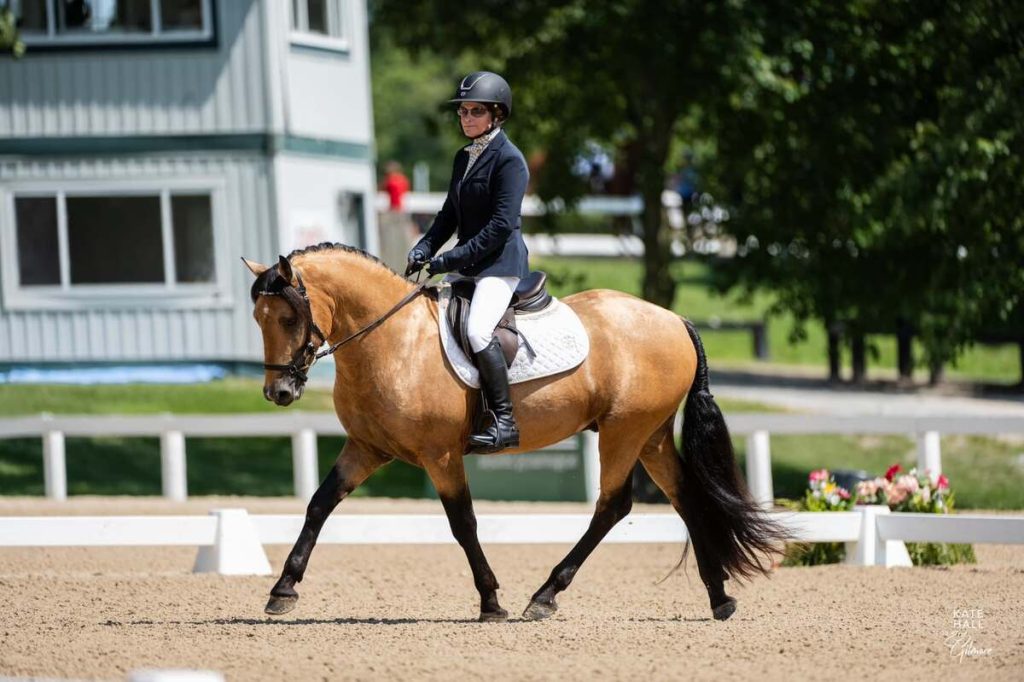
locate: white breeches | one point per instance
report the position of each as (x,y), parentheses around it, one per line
(490,301)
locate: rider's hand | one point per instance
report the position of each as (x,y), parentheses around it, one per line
(417,259)
(436,266)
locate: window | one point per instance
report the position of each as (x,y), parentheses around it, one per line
(120,22)
(94,243)
(319,23)
(351,218)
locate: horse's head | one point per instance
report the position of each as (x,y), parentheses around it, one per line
(290,336)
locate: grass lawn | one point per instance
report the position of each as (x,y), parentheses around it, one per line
(985,473)
(696,300)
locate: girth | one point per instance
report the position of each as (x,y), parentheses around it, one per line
(531,295)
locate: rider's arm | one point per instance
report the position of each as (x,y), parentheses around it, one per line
(510,179)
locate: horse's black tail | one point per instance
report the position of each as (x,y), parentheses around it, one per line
(730,531)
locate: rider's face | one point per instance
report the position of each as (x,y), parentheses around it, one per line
(476,118)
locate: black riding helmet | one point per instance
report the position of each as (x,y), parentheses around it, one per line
(485,87)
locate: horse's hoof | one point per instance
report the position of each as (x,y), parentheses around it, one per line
(723,611)
(278,606)
(539,610)
(499,616)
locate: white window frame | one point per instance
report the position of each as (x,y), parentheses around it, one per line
(68,296)
(85,38)
(338,23)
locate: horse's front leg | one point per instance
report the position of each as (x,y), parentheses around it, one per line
(355,463)
(452,488)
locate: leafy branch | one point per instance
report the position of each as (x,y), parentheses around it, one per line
(9,38)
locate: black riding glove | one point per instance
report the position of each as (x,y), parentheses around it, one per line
(436,266)
(417,259)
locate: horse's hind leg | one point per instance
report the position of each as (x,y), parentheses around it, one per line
(661,460)
(355,463)
(619,451)
(449,479)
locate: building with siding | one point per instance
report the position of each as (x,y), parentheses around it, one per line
(145,145)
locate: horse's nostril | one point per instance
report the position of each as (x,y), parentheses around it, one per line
(267,394)
(283,395)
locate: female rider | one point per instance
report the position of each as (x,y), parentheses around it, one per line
(484,198)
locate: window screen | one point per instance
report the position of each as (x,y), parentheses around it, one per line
(115,239)
(38,251)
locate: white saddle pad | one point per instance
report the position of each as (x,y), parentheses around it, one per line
(555,333)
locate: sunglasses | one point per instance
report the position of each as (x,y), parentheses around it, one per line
(475,112)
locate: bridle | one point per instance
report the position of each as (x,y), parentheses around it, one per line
(306,354)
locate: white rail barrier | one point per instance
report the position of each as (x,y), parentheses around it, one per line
(305,426)
(231,542)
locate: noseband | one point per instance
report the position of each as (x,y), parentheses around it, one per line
(306,354)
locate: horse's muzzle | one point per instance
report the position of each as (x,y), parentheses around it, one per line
(282,392)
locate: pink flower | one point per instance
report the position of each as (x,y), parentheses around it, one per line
(819,475)
(908,483)
(843,493)
(896,494)
(892,471)
(943,482)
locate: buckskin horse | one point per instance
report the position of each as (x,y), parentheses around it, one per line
(398,398)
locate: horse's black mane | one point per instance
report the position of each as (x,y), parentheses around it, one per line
(271,281)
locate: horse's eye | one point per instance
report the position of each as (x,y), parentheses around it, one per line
(289,321)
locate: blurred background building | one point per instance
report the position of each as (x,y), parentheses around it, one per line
(146,144)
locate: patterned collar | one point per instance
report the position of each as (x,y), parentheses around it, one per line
(477,147)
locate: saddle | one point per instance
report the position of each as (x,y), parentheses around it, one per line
(531,296)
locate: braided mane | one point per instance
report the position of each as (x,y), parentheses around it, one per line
(272,281)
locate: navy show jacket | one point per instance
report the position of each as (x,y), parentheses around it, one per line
(484,209)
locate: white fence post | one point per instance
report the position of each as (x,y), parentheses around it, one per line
(236,548)
(172,466)
(591,464)
(871,549)
(929,454)
(304,463)
(759,468)
(55,472)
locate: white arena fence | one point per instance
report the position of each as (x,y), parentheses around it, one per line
(303,427)
(231,541)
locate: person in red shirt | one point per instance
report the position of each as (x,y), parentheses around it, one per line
(395,184)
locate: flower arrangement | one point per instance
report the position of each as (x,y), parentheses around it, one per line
(901,492)
(907,493)
(824,495)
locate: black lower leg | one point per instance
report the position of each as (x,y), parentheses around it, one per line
(332,491)
(459,508)
(608,513)
(711,572)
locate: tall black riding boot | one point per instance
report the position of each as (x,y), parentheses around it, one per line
(503,432)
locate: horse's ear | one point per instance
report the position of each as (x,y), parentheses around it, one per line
(285,268)
(255,268)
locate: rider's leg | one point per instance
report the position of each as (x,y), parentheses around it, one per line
(490,301)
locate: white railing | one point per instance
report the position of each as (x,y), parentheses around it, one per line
(597,204)
(927,432)
(231,541)
(305,426)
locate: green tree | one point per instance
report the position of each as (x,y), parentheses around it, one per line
(623,73)
(871,150)
(408,92)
